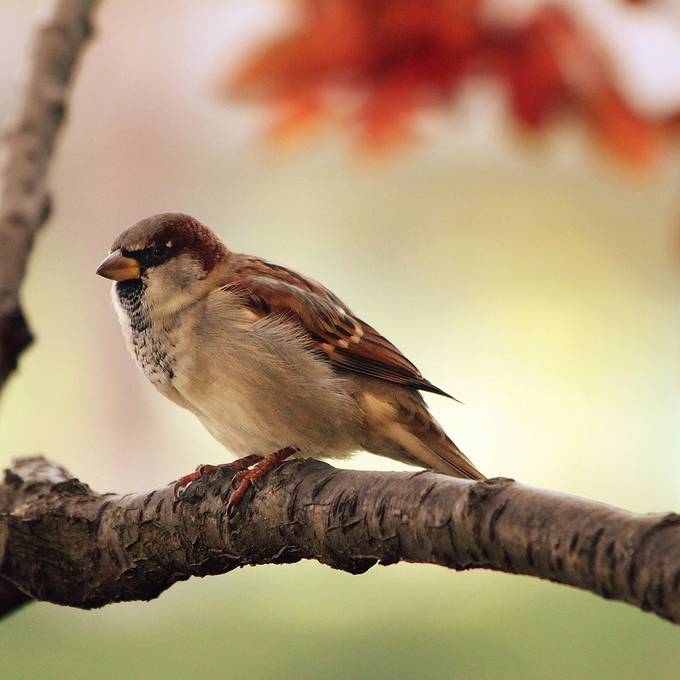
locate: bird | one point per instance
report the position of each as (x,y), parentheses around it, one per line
(271,362)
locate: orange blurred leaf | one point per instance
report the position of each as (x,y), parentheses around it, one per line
(378,63)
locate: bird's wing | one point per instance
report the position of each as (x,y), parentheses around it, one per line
(347,341)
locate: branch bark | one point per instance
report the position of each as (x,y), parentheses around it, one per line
(62,542)
(25,199)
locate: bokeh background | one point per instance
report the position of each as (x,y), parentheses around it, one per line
(536,281)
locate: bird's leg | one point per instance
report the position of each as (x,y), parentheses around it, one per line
(202,470)
(242,480)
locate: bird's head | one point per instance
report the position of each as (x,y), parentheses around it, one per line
(162,261)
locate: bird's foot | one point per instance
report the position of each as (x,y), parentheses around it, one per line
(202,470)
(242,480)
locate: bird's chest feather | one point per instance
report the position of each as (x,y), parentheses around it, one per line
(153,344)
(255,386)
(153,350)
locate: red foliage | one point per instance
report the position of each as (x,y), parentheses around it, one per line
(379,62)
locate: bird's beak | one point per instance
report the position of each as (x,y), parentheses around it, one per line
(117,267)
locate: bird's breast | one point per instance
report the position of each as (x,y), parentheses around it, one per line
(154,351)
(153,344)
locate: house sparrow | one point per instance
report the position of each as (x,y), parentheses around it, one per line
(270,361)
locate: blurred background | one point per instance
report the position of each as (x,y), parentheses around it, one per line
(525,258)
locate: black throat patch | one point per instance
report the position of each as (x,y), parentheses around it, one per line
(131,297)
(149,343)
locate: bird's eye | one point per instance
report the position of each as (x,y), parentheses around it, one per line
(153,255)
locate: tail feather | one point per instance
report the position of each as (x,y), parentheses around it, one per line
(454,462)
(401,427)
(424,439)
(433,449)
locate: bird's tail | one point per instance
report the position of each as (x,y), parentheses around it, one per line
(424,442)
(450,460)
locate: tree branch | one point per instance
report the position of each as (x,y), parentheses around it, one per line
(64,543)
(25,198)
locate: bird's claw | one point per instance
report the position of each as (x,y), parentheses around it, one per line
(244,476)
(241,465)
(241,481)
(237,478)
(239,490)
(183,482)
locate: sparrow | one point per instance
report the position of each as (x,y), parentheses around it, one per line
(271,362)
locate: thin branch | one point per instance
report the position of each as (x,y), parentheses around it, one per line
(64,543)
(25,199)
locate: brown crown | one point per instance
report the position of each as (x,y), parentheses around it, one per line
(186,234)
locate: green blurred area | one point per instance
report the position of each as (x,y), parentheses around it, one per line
(536,283)
(306,621)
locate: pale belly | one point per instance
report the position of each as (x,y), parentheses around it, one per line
(256,388)
(257,399)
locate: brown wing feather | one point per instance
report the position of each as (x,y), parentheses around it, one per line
(347,341)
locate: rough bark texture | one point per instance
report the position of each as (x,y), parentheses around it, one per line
(62,542)
(29,142)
